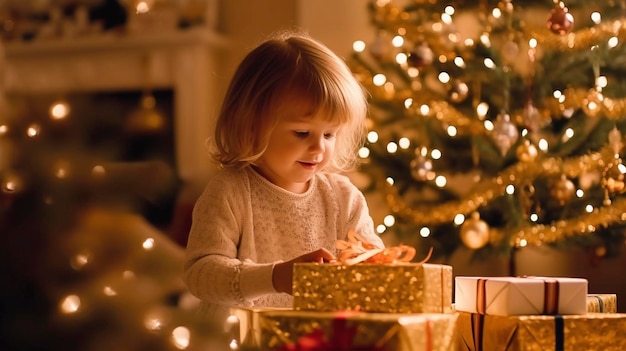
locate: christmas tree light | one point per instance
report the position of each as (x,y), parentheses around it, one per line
(498,124)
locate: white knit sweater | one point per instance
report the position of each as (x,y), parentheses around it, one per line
(243,225)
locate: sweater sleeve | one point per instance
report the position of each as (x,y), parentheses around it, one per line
(357,215)
(213,271)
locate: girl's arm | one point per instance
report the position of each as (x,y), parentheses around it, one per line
(212,271)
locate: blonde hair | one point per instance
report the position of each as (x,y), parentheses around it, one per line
(288,68)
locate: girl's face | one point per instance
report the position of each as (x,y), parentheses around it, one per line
(300,146)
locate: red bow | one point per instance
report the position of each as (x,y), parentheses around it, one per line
(341,339)
(356,249)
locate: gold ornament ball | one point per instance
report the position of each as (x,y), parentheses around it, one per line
(526,152)
(561,20)
(504,133)
(592,104)
(458,91)
(381,49)
(146,119)
(475,232)
(613,178)
(420,168)
(562,190)
(421,56)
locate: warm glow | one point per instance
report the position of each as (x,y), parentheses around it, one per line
(143,6)
(441,181)
(401,58)
(379,80)
(392,147)
(568,134)
(489,63)
(59,110)
(98,171)
(444,77)
(459,62)
(70,304)
(148,244)
(459,219)
(510,189)
(80,260)
(482,109)
(109,291)
(33,130)
(358,46)
(181,337)
(364,152)
(488,125)
(408,103)
(389,220)
(404,143)
(397,41)
(485,40)
(452,131)
(153,323)
(435,154)
(596,17)
(372,137)
(62,170)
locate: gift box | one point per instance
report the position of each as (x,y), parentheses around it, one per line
(353,330)
(511,296)
(593,331)
(243,324)
(373,287)
(602,303)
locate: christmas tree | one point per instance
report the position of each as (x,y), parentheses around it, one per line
(497,125)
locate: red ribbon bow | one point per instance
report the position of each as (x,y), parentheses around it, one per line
(356,249)
(341,339)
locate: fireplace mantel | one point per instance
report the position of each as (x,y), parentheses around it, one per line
(184,61)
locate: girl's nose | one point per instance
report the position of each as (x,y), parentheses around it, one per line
(317,145)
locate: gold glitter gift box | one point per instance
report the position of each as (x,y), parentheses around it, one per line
(602,303)
(352,330)
(373,287)
(593,331)
(515,296)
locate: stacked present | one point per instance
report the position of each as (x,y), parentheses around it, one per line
(378,300)
(371,299)
(535,313)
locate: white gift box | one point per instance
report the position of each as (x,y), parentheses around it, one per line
(514,296)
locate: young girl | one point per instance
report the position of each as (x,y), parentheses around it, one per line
(292,119)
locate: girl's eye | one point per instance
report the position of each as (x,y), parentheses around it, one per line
(301,134)
(329,135)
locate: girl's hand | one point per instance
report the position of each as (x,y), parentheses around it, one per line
(282,275)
